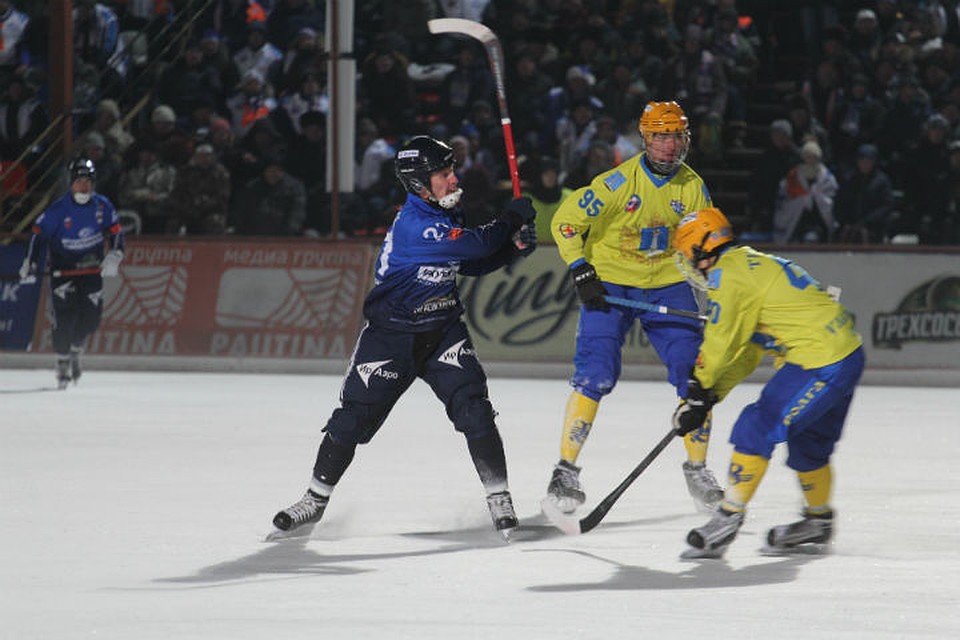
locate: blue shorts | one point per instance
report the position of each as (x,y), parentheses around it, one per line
(601,334)
(805,408)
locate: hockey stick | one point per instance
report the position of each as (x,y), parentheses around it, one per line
(481,32)
(59,273)
(66,273)
(571,526)
(656,308)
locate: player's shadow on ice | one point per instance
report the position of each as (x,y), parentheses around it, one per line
(703,574)
(294,558)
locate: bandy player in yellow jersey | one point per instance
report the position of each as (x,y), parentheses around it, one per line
(756,295)
(615,234)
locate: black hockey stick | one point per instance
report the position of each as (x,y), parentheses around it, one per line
(571,526)
(656,308)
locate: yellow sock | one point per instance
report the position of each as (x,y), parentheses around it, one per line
(696,442)
(581,411)
(816,486)
(743,478)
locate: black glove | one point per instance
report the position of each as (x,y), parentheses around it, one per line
(692,412)
(519,212)
(589,288)
(525,240)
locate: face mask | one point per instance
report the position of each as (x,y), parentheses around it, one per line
(449,201)
(82,198)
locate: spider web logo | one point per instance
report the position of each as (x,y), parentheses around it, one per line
(147,296)
(313,299)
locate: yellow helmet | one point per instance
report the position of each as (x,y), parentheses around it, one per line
(665,118)
(702,234)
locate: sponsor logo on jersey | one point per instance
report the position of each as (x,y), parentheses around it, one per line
(632,204)
(436,275)
(366,370)
(452,355)
(568,230)
(678,207)
(614,181)
(434,305)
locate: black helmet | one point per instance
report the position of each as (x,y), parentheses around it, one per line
(82,168)
(418,159)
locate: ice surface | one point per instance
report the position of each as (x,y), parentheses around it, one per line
(134,506)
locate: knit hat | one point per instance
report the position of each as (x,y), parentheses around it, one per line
(163,113)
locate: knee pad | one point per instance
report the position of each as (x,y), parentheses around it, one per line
(354,424)
(750,435)
(471,412)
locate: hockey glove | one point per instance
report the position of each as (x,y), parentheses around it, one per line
(26,270)
(692,412)
(110,265)
(589,288)
(525,240)
(519,212)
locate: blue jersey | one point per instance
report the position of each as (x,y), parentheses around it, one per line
(415,284)
(75,233)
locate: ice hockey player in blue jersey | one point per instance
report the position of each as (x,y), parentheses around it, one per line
(414,330)
(82,234)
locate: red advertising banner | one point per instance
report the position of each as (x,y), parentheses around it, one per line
(238,299)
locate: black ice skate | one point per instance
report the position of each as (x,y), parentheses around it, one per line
(63,372)
(75,370)
(564,488)
(502,513)
(810,535)
(712,539)
(702,486)
(292,521)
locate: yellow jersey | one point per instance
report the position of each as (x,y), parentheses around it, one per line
(750,293)
(623,222)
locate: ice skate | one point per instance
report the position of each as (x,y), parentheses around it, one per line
(812,534)
(63,373)
(702,486)
(501,510)
(564,488)
(292,521)
(712,539)
(75,370)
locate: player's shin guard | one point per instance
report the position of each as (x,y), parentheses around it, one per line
(743,477)
(696,442)
(577,422)
(817,485)
(490,461)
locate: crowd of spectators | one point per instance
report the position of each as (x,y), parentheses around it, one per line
(861,130)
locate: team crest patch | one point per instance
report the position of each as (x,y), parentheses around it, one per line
(614,180)
(568,230)
(632,204)
(713,278)
(677,207)
(455,233)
